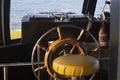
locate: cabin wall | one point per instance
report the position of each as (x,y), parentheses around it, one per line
(16,53)
(114,50)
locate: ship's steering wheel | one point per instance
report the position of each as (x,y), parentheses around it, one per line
(69,39)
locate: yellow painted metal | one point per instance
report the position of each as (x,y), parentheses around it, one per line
(75,65)
(15,34)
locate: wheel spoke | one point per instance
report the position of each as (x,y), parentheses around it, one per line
(89,25)
(78,38)
(59,32)
(39,68)
(42,47)
(93,50)
(65,52)
(81,33)
(72,49)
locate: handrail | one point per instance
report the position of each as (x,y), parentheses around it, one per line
(19,64)
(6,65)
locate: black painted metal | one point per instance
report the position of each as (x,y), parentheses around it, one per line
(1,40)
(4,22)
(89,7)
(35,27)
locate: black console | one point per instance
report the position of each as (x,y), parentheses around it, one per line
(33,26)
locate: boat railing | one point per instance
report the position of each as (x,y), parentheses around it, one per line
(5,66)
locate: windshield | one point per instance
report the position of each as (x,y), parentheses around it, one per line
(59,6)
(20,8)
(102,6)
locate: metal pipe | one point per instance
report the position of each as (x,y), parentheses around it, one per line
(5,73)
(20,64)
(38,60)
(2,16)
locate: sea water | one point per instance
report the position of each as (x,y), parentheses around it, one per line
(20,8)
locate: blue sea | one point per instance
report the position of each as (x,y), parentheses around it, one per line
(20,8)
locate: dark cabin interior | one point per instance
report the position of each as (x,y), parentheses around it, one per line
(19,50)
